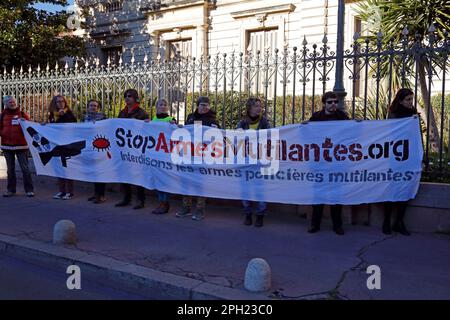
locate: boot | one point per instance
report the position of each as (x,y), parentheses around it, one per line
(184,212)
(248,220)
(123,203)
(162,208)
(259,221)
(140,205)
(199,214)
(400,227)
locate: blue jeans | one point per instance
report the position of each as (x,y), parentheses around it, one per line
(259,211)
(162,196)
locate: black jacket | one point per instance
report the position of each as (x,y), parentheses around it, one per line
(402,112)
(138,113)
(67,117)
(321,116)
(207,119)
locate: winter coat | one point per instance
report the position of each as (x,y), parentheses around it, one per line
(11,131)
(402,112)
(67,117)
(208,119)
(136,113)
(321,116)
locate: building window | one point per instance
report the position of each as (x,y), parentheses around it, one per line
(181,48)
(262,41)
(113,54)
(112,6)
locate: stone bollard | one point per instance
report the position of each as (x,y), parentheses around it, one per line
(258,276)
(64,232)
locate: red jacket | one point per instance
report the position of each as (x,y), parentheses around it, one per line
(10,130)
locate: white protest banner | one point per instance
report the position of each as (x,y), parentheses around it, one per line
(330,162)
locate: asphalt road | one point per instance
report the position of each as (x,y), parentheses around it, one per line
(23,280)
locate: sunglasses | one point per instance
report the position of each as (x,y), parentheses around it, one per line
(129,96)
(332,101)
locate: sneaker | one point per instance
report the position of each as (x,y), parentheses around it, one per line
(59,195)
(68,196)
(30,194)
(198,215)
(339,231)
(92,198)
(185,211)
(9,194)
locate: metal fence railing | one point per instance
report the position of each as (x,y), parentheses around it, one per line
(289,82)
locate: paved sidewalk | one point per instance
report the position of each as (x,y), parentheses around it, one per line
(216,250)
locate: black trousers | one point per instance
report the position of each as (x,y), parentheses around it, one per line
(140,192)
(22,157)
(336,215)
(100,189)
(399,206)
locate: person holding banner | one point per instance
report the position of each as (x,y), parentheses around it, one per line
(254,119)
(207,118)
(401,107)
(14,145)
(59,112)
(132,110)
(329,112)
(94,113)
(162,115)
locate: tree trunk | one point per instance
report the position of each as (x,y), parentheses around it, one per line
(428,118)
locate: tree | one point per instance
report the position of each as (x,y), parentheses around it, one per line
(29,36)
(418,19)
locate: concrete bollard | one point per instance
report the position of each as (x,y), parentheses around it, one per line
(258,276)
(64,232)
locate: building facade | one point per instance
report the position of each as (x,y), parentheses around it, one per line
(193,28)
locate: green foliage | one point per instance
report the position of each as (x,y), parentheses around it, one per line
(391,17)
(435,171)
(442,109)
(29,36)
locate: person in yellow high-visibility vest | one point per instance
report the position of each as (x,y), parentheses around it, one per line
(162,115)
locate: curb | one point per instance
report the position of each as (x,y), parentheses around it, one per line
(149,283)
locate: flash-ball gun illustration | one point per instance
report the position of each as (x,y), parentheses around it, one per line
(48,150)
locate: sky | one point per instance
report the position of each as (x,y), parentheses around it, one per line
(50,7)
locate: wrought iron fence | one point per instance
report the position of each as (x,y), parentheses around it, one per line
(289,82)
